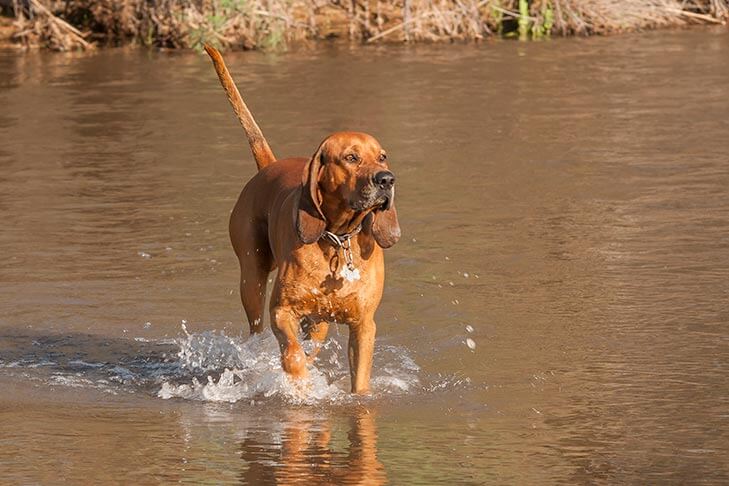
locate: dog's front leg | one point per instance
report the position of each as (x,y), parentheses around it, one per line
(285,325)
(361,348)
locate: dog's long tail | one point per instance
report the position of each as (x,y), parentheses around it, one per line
(261,151)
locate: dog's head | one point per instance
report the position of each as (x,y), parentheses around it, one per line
(348,174)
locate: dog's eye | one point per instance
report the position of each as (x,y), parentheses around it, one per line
(382,157)
(351,158)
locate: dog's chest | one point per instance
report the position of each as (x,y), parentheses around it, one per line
(337,306)
(329,293)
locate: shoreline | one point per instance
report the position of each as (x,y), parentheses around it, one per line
(313,45)
(235,25)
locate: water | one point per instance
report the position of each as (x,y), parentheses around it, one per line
(556,311)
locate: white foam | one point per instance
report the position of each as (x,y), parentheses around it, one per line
(84,364)
(71,381)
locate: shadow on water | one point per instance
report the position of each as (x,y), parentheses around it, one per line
(86,359)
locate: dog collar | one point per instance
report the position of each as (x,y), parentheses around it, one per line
(340,240)
(343,242)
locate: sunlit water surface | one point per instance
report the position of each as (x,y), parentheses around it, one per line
(556,311)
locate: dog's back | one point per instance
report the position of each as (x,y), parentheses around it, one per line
(262,196)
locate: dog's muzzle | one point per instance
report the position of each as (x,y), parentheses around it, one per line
(377,193)
(384,181)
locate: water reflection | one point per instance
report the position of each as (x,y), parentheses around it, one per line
(307,449)
(258,444)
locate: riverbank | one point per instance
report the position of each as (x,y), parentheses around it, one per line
(268,24)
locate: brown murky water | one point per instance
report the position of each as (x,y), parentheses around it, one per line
(567,200)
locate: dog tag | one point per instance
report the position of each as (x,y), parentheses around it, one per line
(349,274)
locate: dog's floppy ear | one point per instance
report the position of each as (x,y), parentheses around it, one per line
(310,221)
(383,225)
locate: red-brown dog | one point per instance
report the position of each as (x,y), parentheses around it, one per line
(323,223)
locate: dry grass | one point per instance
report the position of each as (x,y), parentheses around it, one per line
(247,24)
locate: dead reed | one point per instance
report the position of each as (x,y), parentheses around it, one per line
(248,24)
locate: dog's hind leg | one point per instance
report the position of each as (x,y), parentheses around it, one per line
(256,262)
(253,280)
(317,333)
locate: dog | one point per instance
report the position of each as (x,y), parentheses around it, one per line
(322,222)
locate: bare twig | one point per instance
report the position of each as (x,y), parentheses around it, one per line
(61,24)
(693,15)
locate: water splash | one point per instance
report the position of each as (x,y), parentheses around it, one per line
(221,368)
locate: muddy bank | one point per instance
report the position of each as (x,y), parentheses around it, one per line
(241,24)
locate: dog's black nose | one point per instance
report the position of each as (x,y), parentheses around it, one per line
(384,179)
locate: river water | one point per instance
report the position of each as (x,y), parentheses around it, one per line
(556,312)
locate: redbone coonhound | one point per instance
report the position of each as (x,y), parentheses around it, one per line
(323,222)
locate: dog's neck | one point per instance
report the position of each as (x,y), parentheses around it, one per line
(340,218)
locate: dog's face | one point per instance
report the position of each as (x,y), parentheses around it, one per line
(354,170)
(351,170)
